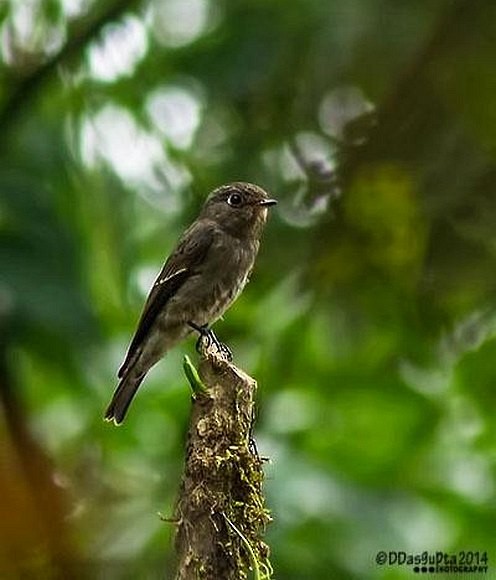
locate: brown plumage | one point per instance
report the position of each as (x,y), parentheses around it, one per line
(202,277)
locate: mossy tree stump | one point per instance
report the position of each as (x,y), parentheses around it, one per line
(221,514)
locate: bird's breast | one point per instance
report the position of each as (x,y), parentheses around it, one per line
(222,277)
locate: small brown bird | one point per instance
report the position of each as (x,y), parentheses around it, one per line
(202,277)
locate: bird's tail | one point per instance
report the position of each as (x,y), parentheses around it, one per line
(124,393)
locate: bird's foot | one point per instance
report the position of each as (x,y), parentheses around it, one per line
(208,338)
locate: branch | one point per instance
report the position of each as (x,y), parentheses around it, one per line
(81,32)
(408,95)
(221,512)
(32,503)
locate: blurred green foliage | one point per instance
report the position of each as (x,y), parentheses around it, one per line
(370,322)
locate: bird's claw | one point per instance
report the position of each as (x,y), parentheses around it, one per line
(223,349)
(207,339)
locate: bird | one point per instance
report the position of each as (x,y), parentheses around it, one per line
(201,278)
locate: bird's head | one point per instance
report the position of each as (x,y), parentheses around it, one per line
(240,208)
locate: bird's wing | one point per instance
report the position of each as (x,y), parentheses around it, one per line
(181,264)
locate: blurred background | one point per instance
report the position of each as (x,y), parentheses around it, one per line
(369,323)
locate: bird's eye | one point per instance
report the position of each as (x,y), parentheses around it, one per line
(234,199)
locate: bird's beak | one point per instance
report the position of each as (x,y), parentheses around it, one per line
(267,202)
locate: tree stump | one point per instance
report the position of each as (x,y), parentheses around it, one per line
(221,515)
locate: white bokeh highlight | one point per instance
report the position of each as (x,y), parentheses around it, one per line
(119,51)
(176,112)
(341,106)
(113,137)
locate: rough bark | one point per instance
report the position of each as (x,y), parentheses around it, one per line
(221,510)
